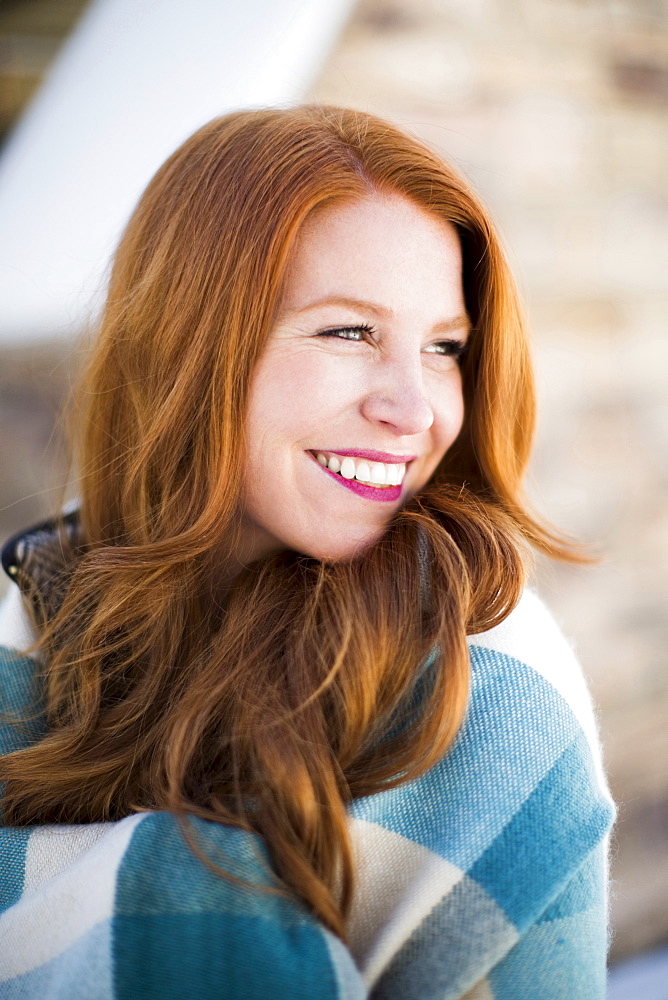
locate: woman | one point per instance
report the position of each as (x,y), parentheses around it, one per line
(268,763)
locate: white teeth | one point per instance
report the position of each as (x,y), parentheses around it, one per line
(378,475)
(397,473)
(372,473)
(363,472)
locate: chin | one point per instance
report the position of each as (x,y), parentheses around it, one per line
(341,549)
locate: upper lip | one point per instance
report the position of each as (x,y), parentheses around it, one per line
(369,454)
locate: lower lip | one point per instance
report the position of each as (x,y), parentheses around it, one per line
(386,494)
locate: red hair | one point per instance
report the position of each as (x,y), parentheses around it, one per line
(157,697)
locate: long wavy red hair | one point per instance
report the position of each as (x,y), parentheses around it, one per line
(274,708)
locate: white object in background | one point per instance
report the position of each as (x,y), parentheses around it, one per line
(131,83)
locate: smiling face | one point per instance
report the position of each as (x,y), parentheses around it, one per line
(357,395)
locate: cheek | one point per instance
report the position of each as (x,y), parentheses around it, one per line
(271,412)
(296,398)
(458,412)
(449,412)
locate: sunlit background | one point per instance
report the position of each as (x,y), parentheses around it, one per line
(556,111)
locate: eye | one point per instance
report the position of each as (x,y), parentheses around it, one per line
(356,333)
(448,348)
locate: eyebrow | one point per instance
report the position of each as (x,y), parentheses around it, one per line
(363,305)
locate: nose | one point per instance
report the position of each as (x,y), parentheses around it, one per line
(399,400)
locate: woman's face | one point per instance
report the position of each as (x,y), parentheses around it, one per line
(358,393)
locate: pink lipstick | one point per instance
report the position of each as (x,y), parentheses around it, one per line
(384,494)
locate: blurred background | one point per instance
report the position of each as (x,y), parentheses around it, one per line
(556,112)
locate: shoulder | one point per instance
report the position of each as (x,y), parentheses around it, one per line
(531,729)
(136,903)
(493,835)
(530,635)
(527,752)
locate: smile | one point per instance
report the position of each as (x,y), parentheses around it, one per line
(373,480)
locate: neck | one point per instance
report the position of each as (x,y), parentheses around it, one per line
(248,544)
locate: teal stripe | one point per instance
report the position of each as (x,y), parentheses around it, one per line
(21,702)
(214,955)
(160,872)
(17,673)
(515,729)
(530,863)
(183,930)
(13,846)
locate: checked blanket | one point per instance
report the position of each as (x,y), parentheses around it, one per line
(484,879)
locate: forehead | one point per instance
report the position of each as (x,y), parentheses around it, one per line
(379,244)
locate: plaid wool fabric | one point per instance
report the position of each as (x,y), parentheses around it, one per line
(484,879)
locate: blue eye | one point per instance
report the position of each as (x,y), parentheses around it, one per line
(355,333)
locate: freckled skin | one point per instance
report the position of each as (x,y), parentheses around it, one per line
(389,390)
